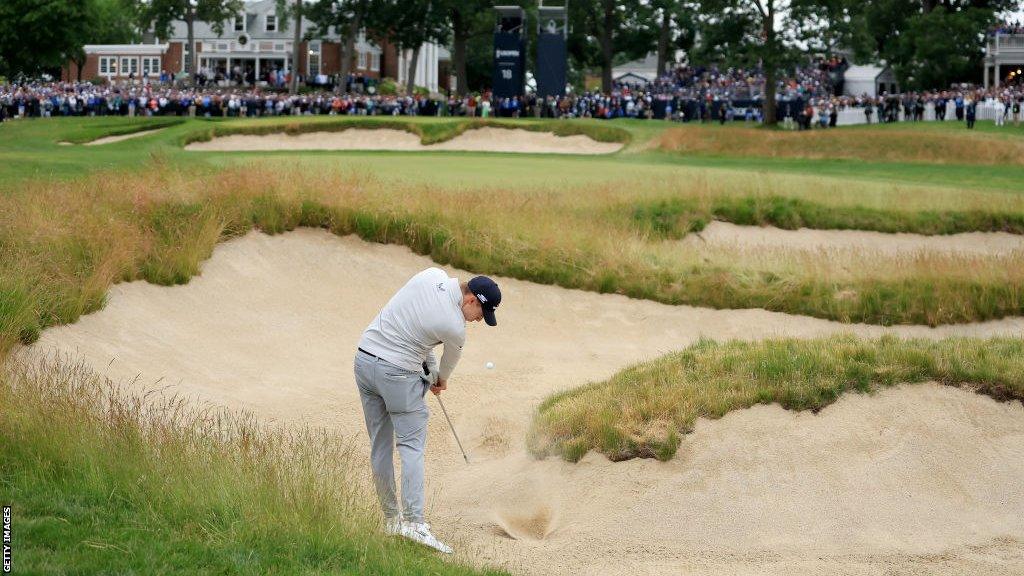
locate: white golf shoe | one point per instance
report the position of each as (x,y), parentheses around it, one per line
(420,532)
(392,526)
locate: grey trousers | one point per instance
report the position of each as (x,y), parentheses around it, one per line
(395,413)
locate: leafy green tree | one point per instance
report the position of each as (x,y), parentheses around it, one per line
(104,22)
(408,24)
(479,51)
(469,19)
(677,27)
(749,33)
(288,10)
(347,17)
(606,31)
(161,14)
(929,43)
(39,35)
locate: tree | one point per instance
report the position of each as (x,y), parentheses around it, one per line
(295,12)
(161,14)
(469,19)
(604,31)
(676,28)
(941,47)
(38,36)
(409,24)
(104,22)
(347,17)
(929,43)
(745,33)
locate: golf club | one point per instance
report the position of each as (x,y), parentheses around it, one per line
(459,442)
(426,371)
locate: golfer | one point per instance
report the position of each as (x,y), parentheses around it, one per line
(395,366)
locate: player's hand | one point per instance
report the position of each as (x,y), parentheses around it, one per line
(439,387)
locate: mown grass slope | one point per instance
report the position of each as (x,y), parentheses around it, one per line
(643,411)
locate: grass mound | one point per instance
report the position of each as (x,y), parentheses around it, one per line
(676,217)
(644,410)
(430,132)
(106,482)
(103,127)
(868,143)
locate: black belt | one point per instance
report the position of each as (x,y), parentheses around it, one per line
(370,355)
(426,369)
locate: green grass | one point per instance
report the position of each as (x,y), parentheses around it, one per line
(644,410)
(28,149)
(103,482)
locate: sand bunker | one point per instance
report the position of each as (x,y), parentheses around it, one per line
(112,139)
(921,478)
(480,140)
(972,243)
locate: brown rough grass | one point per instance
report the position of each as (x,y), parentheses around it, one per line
(873,145)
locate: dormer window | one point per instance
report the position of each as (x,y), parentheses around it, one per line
(240,23)
(271,23)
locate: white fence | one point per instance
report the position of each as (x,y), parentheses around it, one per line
(852,116)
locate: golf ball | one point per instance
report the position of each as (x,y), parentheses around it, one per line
(490,365)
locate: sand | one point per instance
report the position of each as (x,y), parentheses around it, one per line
(112,139)
(484,139)
(724,234)
(917,479)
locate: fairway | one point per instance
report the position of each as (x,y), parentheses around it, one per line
(718,352)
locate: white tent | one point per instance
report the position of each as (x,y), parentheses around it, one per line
(637,71)
(870,80)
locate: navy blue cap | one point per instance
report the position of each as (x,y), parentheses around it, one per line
(487,292)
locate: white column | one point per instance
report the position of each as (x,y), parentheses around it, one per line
(985,81)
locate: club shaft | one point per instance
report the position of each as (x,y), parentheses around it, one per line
(457,441)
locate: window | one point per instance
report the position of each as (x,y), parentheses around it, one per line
(375,63)
(314,58)
(361,60)
(271,23)
(240,23)
(150,66)
(129,65)
(108,65)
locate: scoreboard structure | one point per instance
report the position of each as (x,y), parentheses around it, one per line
(509,75)
(552,31)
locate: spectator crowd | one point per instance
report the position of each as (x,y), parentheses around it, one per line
(1008,27)
(806,98)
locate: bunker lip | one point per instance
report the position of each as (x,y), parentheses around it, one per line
(270,326)
(119,137)
(726,234)
(484,139)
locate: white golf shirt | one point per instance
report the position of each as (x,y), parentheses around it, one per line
(427,311)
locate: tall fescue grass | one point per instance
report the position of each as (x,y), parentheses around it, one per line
(676,217)
(106,482)
(893,145)
(643,411)
(429,132)
(63,244)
